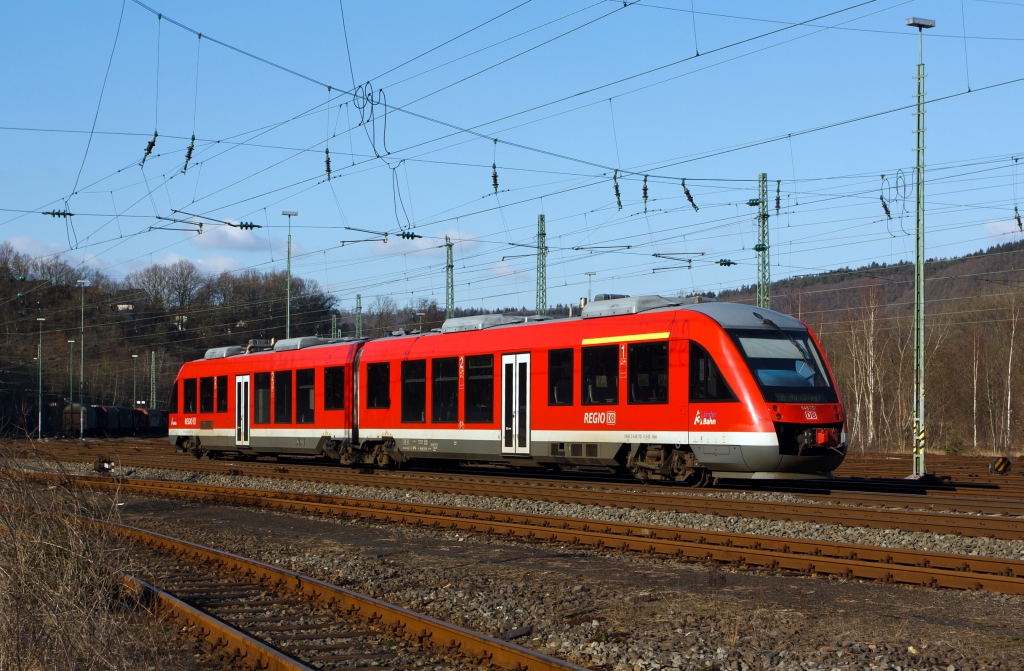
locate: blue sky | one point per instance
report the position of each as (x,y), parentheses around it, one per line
(538,77)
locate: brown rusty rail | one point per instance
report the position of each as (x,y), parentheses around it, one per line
(846,560)
(242,647)
(450,640)
(978,517)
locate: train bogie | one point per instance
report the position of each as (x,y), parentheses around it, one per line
(645,385)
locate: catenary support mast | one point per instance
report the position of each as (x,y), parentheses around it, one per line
(764,273)
(449,280)
(542,266)
(919,470)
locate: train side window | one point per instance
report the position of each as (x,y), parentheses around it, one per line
(261,398)
(305,395)
(206,394)
(444,401)
(648,373)
(479,400)
(706,381)
(283,397)
(378,385)
(189,393)
(414,391)
(172,407)
(334,388)
(600,375)
(222,393)
(560,376)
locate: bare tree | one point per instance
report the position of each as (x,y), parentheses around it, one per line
(382,314)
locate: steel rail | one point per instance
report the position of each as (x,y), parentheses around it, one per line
(890,483)
(451,639)
(244,648)
(984,524)
(846,560)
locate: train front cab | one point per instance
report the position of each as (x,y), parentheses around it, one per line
(769,367)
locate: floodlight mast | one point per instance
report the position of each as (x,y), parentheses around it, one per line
(39,356)
(81,360)
(288,299)
(918,468)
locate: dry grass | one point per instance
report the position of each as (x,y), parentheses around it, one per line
(62,606)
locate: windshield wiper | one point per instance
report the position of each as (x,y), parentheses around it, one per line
(803,355)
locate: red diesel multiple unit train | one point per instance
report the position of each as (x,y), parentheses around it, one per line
(640,384)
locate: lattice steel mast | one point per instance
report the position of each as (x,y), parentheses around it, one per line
(359,316)
(764,272)
(449,280)
(542,266)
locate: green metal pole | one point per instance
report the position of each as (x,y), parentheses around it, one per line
(152,379)
(764,277)
(449,280)
(40,359)
(919,469)
(81,375)
(542,266)
(359,316)
(71,372)
(288,304)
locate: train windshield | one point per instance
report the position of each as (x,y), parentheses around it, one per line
(787,366)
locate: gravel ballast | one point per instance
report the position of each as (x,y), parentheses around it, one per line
(888,538)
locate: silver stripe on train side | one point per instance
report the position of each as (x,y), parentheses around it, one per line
(757,438)
(432,434)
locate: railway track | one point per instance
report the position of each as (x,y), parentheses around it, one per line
(843,560)
(271,618)
(968,481)
(985,517)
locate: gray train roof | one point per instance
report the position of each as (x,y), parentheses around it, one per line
(728,315)
(741,316)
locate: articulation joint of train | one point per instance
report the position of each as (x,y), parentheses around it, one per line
(685,390)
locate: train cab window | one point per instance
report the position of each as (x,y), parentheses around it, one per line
(261,398)
(648,373)
(334,388)
(706,381)
(305,395)
(378,385)
(189,394)
(600,375)
(222,393)
(479,400)
(414,391)
(444,402)
(283,397)
(560,377)
(206,394)
(172,407)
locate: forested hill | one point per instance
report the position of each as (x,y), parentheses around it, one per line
(995,271)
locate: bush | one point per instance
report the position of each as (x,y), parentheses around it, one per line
(62,606)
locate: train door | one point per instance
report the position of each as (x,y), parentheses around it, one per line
(515,403)
(242,410)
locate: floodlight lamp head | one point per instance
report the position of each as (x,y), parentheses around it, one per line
(135,356)
(289,213)
(915,22)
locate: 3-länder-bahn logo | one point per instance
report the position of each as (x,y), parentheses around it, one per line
(707,418)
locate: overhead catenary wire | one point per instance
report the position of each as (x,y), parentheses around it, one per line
(165,183)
